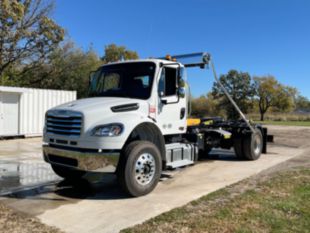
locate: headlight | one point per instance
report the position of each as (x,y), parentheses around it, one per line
(109,130)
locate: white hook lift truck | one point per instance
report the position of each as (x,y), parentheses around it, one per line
(135,123)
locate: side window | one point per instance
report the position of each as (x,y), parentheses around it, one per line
(161,84)
(168,82)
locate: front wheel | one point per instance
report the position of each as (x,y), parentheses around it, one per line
(140,168)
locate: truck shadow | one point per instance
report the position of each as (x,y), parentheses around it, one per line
(221,154)
(97,186)
(105,188)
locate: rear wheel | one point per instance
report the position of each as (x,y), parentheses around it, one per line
(67,173)
(253,145)
(139,168)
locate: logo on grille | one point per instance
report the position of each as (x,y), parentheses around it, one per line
(62,112)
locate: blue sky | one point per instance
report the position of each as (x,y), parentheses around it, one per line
(260,37)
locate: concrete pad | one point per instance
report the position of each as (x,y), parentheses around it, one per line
(110,212)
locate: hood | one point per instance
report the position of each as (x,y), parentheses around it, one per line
(101,109)
(89,104)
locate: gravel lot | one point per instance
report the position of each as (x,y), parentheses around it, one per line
(19,220)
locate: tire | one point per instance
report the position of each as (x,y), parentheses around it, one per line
(253,145)
(238,147)
(140,168)
(68,173)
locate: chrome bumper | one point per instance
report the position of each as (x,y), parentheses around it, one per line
(86,161)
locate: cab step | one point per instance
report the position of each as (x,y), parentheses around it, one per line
(180,154)
(180,163)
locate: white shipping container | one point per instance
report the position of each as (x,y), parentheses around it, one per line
(22,110)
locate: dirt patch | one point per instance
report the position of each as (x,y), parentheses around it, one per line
(15,222)
(291,136)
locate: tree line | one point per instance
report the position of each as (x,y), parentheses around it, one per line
(252,94)
(35,53)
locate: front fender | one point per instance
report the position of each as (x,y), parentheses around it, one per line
(129,120)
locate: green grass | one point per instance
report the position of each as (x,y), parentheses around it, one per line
(280,204)
(288,123)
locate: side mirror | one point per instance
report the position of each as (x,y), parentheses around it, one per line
(181,89)
(181,92)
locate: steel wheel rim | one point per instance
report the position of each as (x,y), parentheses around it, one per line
(257,144)
(145,169)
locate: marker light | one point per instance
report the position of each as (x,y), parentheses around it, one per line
(168,57)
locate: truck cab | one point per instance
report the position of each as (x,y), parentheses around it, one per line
(133,124)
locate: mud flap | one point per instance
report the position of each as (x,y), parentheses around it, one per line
(265,136)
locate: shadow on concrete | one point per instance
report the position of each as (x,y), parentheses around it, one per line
(105,188)
(92,186)
(221,154)
(84,188)
(96,186)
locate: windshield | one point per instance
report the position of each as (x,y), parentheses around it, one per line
(132,80)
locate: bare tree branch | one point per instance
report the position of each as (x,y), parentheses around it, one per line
(26,33)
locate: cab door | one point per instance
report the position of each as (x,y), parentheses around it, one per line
(171,115)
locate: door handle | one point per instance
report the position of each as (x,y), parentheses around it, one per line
(182,113)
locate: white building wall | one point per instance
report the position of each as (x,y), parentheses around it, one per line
(33,105)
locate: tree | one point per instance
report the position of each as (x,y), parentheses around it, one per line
(27,35)
(114,53)
(302,104)
(205,105)
(68,69)
(271,94)
(239,86)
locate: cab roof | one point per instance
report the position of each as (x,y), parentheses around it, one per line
(185,60)
(155,60)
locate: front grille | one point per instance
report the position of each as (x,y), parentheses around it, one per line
(68,124)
